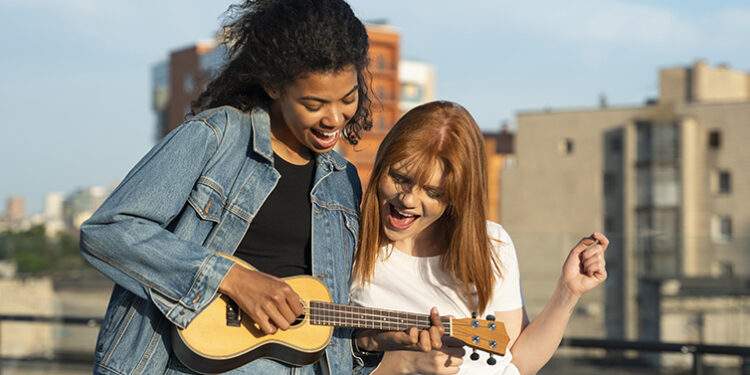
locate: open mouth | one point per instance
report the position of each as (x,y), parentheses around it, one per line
(325,139)
(400,220)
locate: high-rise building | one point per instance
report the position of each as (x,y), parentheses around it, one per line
(667,183)
(81,204)
(16,210)
(499,148)
(384,67)
(179,80)
(53,214)
(417,81)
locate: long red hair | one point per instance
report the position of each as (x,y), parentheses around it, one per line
(438,132)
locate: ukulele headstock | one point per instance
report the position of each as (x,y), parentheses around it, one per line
(487,335)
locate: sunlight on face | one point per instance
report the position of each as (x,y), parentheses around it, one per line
(312,111)
(409,212)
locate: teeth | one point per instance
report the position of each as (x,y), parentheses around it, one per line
(328,134)
(403,213)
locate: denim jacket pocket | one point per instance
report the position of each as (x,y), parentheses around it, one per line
(207,202)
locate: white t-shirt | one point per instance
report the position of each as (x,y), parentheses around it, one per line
(415,284)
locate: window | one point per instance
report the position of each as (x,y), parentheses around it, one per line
(721,228)
(380,62)
(657,142)
(610,182)
(725,182)
(714,139)
(609,224)
(382,95)
(723,269)
(566,146)
(665,185)
(615,144)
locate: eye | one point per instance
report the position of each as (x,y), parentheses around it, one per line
(313,108)
(349,99)
(434,193)
(398,179)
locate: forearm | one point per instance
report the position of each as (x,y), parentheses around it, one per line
(538,341)
(392,364)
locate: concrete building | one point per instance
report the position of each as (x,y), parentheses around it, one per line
(499,148)
(666,182)
(384,57)
(417,82)
(81,204)
(53,214)
(179,80)
(16,209)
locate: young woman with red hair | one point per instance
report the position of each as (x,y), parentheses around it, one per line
(424,242)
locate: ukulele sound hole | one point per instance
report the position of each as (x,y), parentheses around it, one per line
(299,320)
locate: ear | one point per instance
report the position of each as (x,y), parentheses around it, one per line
(272,92)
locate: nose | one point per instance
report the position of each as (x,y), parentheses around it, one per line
(335,118)
(407,198)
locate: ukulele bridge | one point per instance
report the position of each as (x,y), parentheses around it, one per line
(234,314)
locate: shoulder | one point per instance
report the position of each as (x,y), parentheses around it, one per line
(343,185)
(222,120)
(345,168)
(497,233)
(502,244)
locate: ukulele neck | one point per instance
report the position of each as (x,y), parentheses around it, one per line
(337,315)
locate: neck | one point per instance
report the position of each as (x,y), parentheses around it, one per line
(425,244)
(284,143)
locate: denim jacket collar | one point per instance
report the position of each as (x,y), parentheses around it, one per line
(261,123)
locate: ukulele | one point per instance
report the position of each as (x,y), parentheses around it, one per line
(222,337)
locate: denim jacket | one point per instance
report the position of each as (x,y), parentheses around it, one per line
(192,197)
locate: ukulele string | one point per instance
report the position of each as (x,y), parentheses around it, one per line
(348,315)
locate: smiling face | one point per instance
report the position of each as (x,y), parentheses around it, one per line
(410,211)
(309,115)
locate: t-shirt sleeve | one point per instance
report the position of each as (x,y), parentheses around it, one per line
(507,292)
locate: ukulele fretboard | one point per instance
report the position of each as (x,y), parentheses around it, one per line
(337,315)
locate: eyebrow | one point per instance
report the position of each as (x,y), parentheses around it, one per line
(355,88)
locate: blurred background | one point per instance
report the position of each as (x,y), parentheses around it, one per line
(625,117)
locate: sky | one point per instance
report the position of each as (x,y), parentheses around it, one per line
(75,75)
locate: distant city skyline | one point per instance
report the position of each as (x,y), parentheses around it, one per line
(76,82)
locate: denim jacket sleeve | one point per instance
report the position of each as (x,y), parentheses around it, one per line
(126,238)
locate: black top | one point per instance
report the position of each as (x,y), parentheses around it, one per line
(278,240)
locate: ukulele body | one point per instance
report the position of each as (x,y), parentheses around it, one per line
(211,344)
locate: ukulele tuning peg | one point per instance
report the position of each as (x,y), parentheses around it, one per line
(490,317)
(491,361)
(473,314)
(474,355)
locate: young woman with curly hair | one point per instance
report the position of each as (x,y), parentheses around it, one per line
(251,173)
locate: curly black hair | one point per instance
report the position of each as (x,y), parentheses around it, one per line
(271,43)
